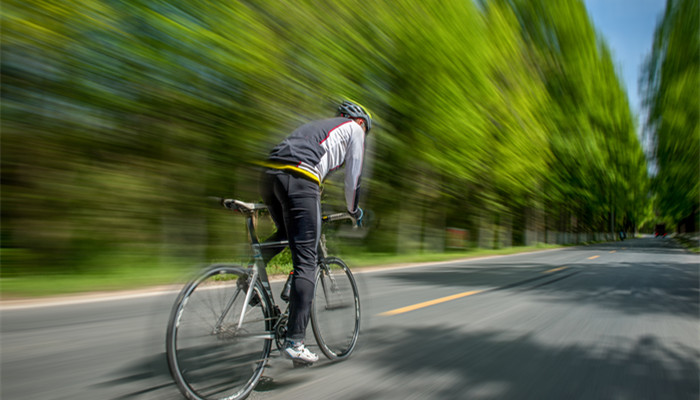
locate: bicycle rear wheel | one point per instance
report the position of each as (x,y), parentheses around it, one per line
(335,312)
(213,352)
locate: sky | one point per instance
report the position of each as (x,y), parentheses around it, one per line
(628,27)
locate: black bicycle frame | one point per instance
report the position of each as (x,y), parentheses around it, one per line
(259,265)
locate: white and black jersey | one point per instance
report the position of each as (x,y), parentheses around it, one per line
(319,147)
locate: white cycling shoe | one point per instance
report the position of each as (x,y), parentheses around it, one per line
(300,354)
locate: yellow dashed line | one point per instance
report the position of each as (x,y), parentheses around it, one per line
(429,303)
(554,270)
(594,257)
(449,298)
(614,251)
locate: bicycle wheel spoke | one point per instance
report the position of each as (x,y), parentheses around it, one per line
(211,355)
(336,310)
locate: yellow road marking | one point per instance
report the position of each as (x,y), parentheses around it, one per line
(591,258)
(614,251)
(429,303)
(554,270)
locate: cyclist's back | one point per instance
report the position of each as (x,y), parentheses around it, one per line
(290,188)
(317,148)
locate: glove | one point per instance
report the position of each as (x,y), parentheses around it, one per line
(357,215)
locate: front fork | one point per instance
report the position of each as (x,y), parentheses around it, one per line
(325,270)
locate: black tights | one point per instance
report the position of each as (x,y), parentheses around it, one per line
(294,205)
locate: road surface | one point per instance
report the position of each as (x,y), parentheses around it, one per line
(609,321)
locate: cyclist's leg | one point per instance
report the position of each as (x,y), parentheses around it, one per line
(299,199)
(269,181)
(304,231)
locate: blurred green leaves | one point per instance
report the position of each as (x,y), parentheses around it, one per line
(672,81)
(118,117)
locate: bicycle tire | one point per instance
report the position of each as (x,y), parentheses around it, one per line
(335,312)
(211,354)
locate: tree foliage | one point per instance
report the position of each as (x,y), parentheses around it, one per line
(118,117)
(672,75)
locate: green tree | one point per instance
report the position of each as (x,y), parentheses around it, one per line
(591,131)
(672,75)
(119,117)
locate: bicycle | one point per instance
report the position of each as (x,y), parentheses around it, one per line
(224,321)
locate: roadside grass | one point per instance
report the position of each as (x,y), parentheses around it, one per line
(690,242)
(63,284)
(143,274)
(387,259)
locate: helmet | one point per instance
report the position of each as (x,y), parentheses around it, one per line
(354,110)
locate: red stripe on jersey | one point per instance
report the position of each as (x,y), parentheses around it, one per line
(331,131)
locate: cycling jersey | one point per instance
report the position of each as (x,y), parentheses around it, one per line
(320,147)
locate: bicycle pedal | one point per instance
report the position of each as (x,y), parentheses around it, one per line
(301,364)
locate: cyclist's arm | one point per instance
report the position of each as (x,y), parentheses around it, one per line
(353,167)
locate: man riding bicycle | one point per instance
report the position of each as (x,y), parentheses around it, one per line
(291,189)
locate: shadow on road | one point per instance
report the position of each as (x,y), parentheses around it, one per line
(645,245)
(443,362)
(446,362)
(648,287)
(449,364)
(151,377)
(669,289)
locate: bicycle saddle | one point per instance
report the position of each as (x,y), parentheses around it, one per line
(242,206)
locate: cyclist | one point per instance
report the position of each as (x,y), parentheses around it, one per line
(291,189)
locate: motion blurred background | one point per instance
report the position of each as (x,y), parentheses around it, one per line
(499,123)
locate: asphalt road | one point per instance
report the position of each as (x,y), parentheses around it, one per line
(610,321)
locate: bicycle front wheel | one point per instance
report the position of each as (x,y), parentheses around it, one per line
(217,344)
(335,312)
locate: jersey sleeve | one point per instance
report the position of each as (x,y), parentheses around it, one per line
(354,158)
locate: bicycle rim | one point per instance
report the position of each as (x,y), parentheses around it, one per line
(335,313)
(212,352)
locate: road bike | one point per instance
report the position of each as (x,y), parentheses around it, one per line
(223,323)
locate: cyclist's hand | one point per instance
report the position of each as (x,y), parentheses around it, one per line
(357,216)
